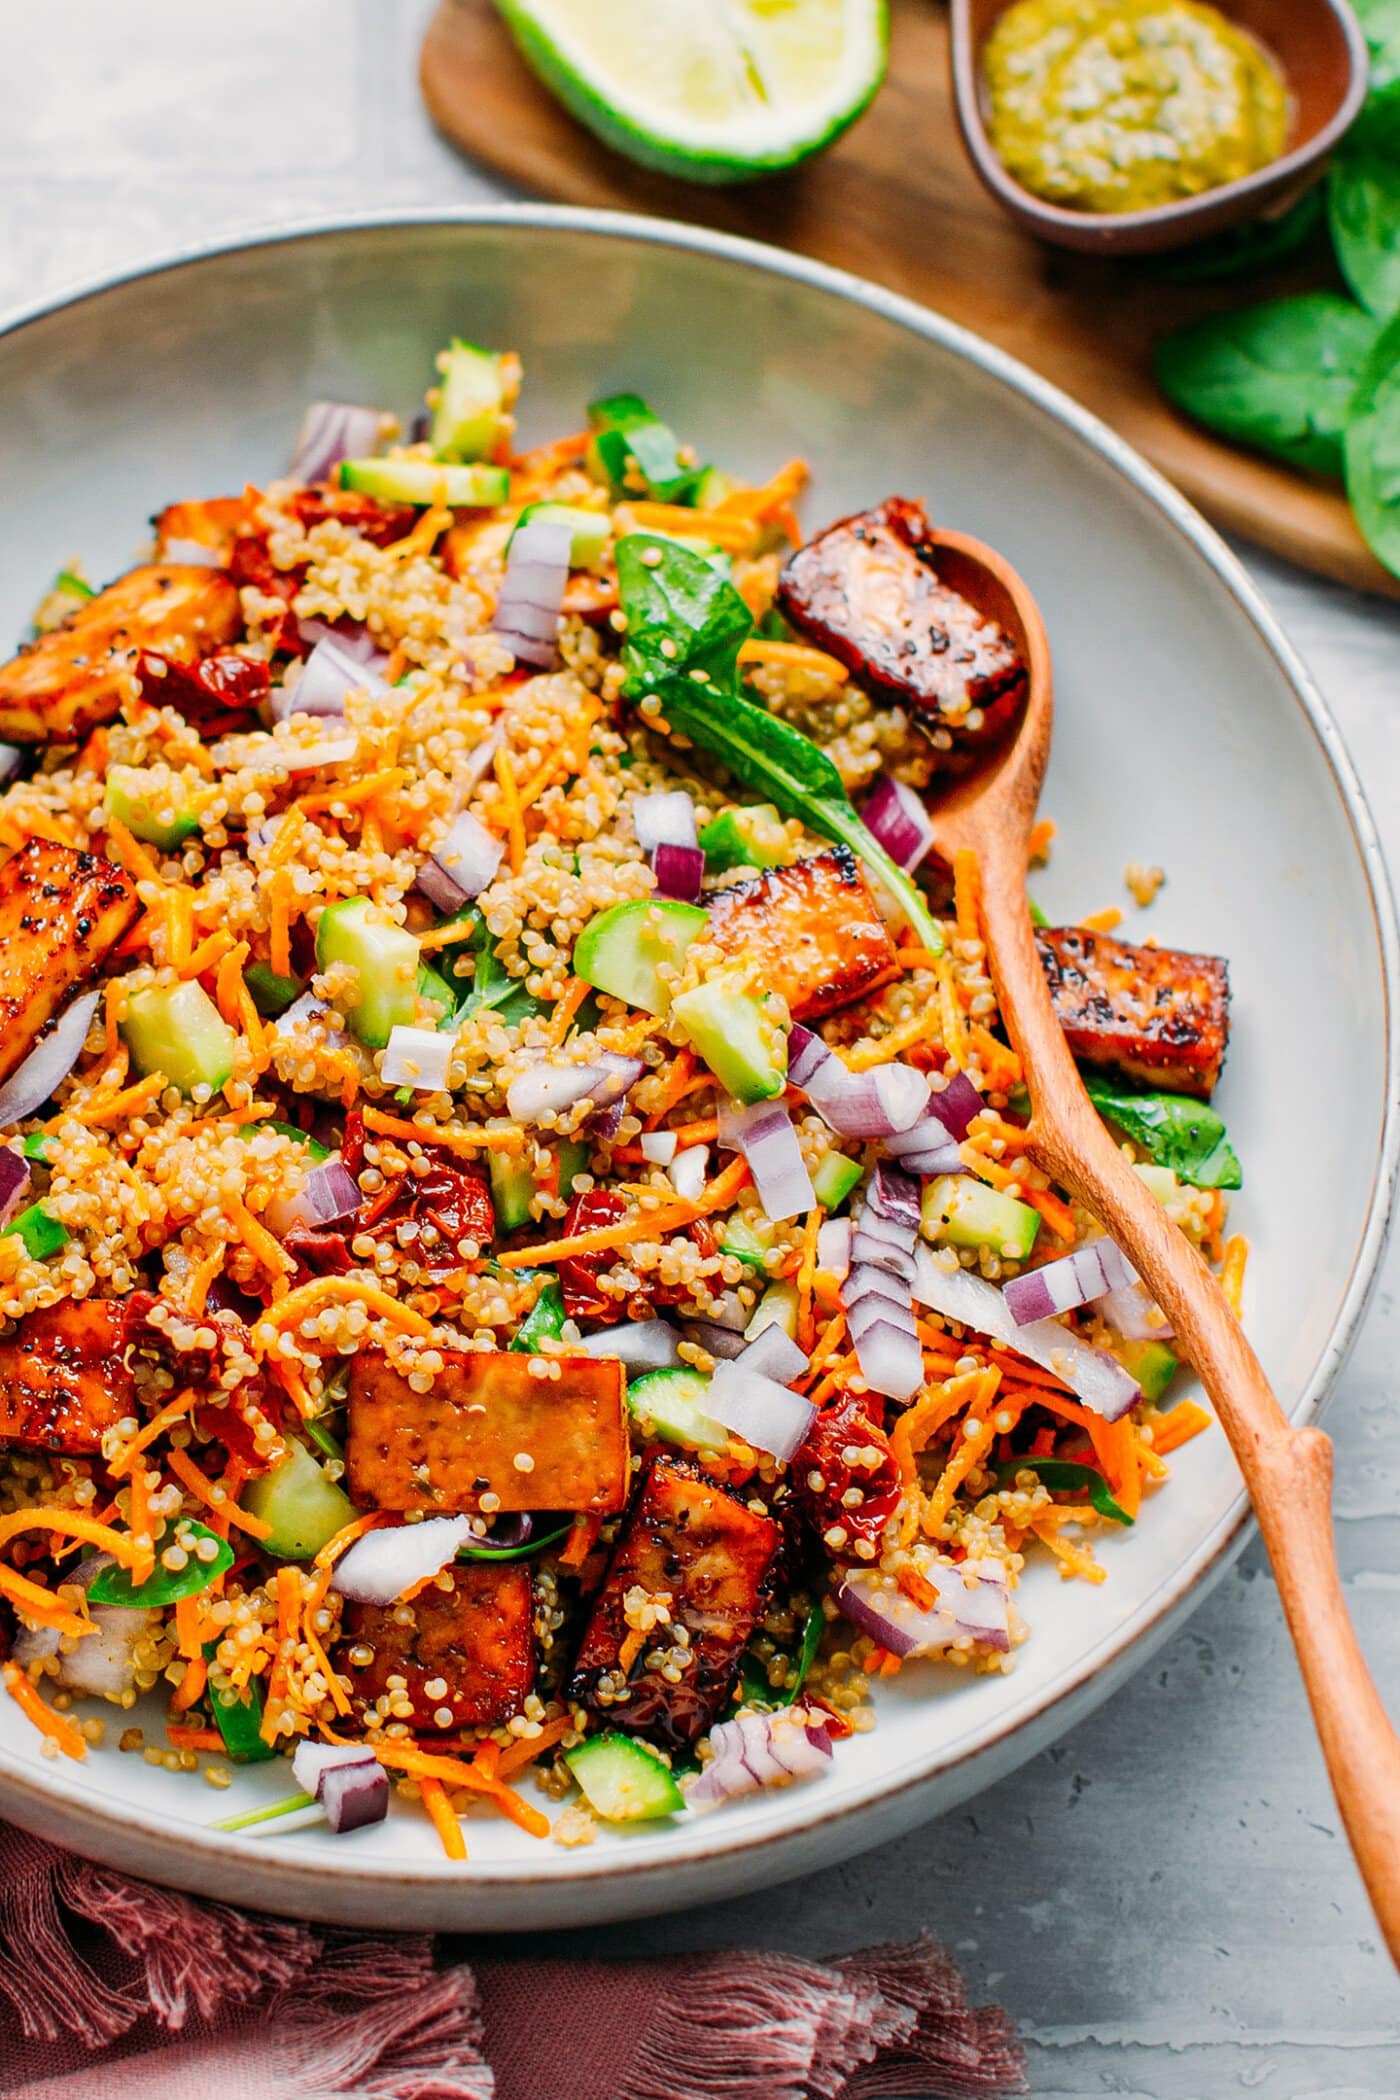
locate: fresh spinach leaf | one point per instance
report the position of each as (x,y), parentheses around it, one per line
(491,986)
(238,1716)
(1173,1130)
(754,1688)
(1066,1473)
(1240,249)
(685,626)
(1379,122)
(1278,377)
(166,1585)
(1373,449)
(534,1545)
(1363,205)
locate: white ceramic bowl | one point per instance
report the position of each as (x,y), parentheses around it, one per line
(1187,733)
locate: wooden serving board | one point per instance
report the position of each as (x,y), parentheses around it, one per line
(896,200)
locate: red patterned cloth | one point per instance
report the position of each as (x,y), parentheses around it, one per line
(114,1990)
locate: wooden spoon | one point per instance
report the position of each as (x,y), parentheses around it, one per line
(1287,1471)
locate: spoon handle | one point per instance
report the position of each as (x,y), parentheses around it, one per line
(1287,1471)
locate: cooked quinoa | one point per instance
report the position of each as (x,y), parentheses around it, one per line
(431,1154)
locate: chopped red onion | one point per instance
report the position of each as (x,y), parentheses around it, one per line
(891,1361)
(328,678)
(678,871)
(723,1343)
(877,1294)
(892,1196)
(1097,1378)
(643,1345)
(329,1193)
(896,816)
(532,592)
(927,1139)
(855,1104)
(763,1132)
(307,1008)
(311,1761)
(546,1088)
(979,1608)
(355,1795)
(881,1253)
(866,1280)
(775,1354)
(48,1064)
(834,1248)
(658,1146)
(15,1178)
(419,1058)
(1074,1280)
(873,1309)
(331,751)
(478,761)
(350,637)
(461,865)
(11,759)
(330,432)
(688,1171)
(758,1409)
(755,1750)
(379,1567)
(1131,1312)
(956,1105)
(664,819)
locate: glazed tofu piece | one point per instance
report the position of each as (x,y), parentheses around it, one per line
(869,592)
(467,1653)
(63,1378)
(812,929)
(1153,1014)
(691,1540)
(63,685)
(62,912)
(539,1433)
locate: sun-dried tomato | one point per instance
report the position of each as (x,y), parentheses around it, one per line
(380,523)
(578,1273)
(846,1426)
(448,1204)
(217,696)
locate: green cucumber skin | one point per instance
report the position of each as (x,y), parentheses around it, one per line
(608,1767)
(610,953)
(177,1030)
(672,1402)
(977,1217)
(301,1502)
(386,957)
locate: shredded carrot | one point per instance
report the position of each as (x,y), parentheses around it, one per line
(775,495)
(201,1277)
(179,924)
(344,1290)
(426,530)
(882,1052)
(442,1816)
(257,1239)
(205,1490)
(1056,1213)
(1078,1562)
(737,535)
(55,1726)
(464,1142)
(319,1657)
(187,1627)
(510,808)
(676,1084)
(346,1536)
(968,1452)
(108,1108)
(1232,1271)
(181,1738)
(581,1540)
(999,1061)
(827,1342)
(795,656)
(917,1588)
(1102,921)
(93,756)
(1039,843)
(229,983)
(965,884)
(912,958)
(142,1526)
(355,793)
(565,1007)
(39,1603)
(173,1411)
(456,1772)
(191,1685)
(113,1007)
(528,1748)
(806,1277)
(1126,1476)
(928,1415)
(665,1218)
(632,1646)
(70,1523)
(132,856)
(1185,1420)
(950,1014)
(288,837)
(396,666)
(210,951)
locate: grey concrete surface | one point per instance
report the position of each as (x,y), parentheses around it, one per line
(1164,1901)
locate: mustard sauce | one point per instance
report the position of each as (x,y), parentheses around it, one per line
(1117,105)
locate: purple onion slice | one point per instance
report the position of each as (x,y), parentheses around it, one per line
(48,1064)
(971,1602)
(897,817)
(755,1750)
(679,871)
(1094,1376)
(1077,1279)
(355,1795)
(527,612)
(758,1409)
(643,1345)
(330,432)
(461,865)
(379,1567)
(763,1132)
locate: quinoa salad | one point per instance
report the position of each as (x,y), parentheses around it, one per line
(521,1289)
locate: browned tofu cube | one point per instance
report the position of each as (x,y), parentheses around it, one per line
(466,1655)
(869,591)
(693,1541)
(552,1438)
(812,931)
(61,913)
(63,1378)
(1153,1014)
(63,685)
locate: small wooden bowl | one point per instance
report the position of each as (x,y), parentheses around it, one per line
(1322,52)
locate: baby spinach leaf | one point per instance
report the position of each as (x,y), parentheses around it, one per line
(1379,122)
(491,987)
(685,626)
(238,1716)
(1278,377)
(1363,205)
(754,1689)
(533,1545)
(1239,249)
(166,1585)
(1373,449)
(1173,1130)
(1066,1473)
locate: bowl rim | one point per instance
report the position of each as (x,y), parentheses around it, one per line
(1096,231)
(48,1796)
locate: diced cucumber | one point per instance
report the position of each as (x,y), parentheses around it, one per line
(41,1232)
(965,1213)
(776,1308)
(434,987)
(713,487)
(672,1403)
(590,528)
(316,1151)
(623,1781)
(623,949)
(128,799)
(748,1241)
(636,453)
(301,1502)
(470,417)
(543,1322)
(573,1161)
(270,993)
(1160,1180)
(739,1036)
(513,1186)
(1151,1363)
(425,481)
(744,838)
(386,957)
(834,1179)
(177,1029)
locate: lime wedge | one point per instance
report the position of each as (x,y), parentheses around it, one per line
(712,90)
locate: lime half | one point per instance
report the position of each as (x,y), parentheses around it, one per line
(713,90)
